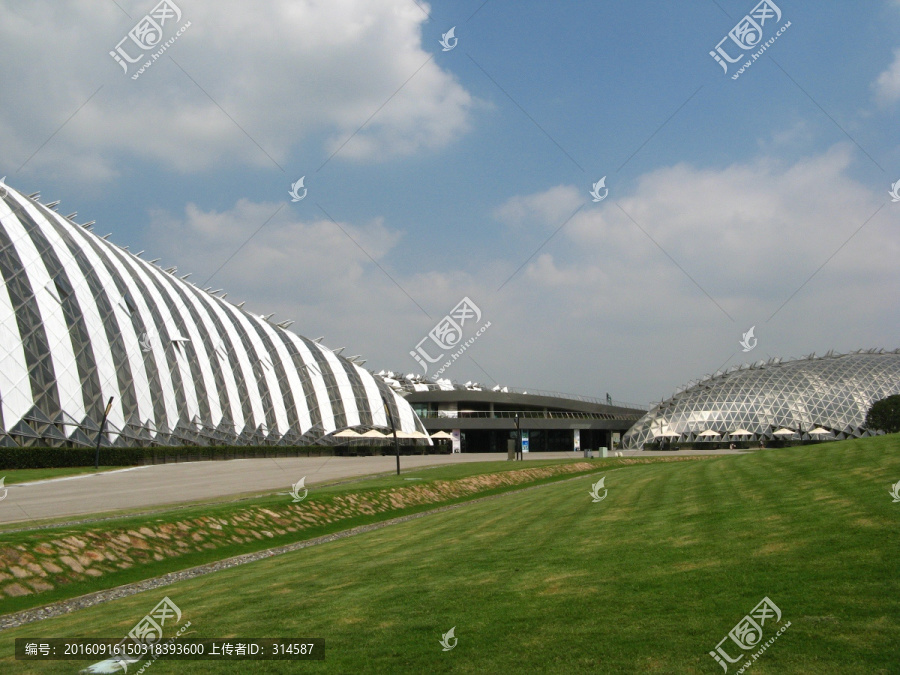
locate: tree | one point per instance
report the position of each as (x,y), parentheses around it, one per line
(884,415)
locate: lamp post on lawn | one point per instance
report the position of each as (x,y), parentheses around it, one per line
(518,439)
(100,433)
(390,415)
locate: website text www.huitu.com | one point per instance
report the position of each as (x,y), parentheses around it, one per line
(170,640)
(168,43)
(759,53)
(455,355)
(768,643)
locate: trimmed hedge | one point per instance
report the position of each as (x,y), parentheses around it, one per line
(52,458)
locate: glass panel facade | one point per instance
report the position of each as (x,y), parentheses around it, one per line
(833,392)
(83,321)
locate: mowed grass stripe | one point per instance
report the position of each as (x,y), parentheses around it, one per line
(649,580)
(77,560)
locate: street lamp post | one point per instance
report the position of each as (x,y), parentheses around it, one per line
(100,433)
(390,415)
(518,439)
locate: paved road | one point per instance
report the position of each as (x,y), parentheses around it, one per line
(149,486)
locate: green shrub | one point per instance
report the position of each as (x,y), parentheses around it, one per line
(884,415)
(53,458)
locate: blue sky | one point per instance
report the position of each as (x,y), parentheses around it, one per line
(725,196)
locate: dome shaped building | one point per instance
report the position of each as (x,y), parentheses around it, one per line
(84,322)
(829,395)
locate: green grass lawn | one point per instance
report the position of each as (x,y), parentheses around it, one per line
(648,580)
(28,475)
(210,506)
(184,522)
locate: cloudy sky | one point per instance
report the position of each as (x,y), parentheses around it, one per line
(756,197)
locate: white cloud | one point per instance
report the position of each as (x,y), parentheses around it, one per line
(607,307)
(887,85)
(293,75)
(306,262)
(310,271)
(551,206)
(601,308)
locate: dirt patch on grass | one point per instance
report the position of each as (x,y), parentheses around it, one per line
(772,548)
(694,565)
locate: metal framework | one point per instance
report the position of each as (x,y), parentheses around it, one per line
(83,320)
(833,392)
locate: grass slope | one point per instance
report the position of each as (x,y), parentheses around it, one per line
(46,565)
(648,580)
(13,476)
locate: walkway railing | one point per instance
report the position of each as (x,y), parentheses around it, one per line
(643,407)
(523,414)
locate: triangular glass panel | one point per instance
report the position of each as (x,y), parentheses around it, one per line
(35,415)
(80,438)
(21,428)
(51,431)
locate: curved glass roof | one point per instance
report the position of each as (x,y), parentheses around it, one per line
(833,392)
(86,324)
